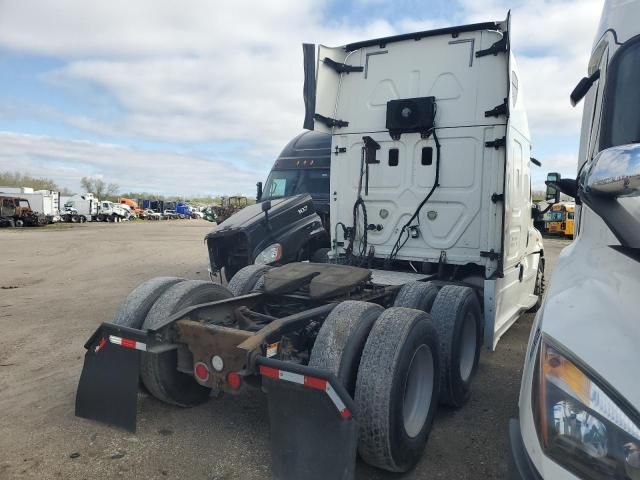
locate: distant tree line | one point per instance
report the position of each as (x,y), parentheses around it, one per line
(101,189)
(18,179)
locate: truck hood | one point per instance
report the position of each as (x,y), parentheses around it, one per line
(253,214)
(593,309)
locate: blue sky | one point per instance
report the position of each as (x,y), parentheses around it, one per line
(162,97)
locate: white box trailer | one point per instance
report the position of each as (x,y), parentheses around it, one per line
(45,202)
(16,189)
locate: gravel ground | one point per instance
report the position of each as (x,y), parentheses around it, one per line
(57,284)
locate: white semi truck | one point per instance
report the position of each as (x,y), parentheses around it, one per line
(87,208)
(579,408)
(433,255)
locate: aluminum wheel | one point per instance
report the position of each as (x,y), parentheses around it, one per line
(418,390)
(467,347)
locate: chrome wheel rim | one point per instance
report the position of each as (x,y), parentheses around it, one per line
(467,347)
(418,389)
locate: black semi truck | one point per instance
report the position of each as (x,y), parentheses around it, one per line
(290,221)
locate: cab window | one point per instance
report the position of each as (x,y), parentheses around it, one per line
(621,120)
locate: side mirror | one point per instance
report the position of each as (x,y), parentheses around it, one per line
(610,186)
(583,87)
(567,186)
(266,206)
(536,162)
(553,194)
(258,191)
(614,172)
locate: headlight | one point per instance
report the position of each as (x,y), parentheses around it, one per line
(271,254)
(582,423)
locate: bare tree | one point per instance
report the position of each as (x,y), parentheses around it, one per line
(17,179)
(99,187)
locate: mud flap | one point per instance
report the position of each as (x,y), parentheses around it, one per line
(314,433)
(108,387)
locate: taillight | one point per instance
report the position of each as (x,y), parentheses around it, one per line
(201,371)
(234,380)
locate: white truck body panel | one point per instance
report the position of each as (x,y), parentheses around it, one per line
(591,305)
(45,202)
(460,220)
(85,204)
(16,190)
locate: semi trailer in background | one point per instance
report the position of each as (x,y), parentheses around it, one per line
(45,202)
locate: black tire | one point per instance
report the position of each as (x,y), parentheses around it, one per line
(136,306)
(418,295)
(539,287)
(159,371)
(320,256)
(246,278)
(75,218)
(11,222)
(110,218)
(396,396)
(19,223)
(457,317)
(259,285)
(229,270)
(83,219)
(101,217)
(339,344)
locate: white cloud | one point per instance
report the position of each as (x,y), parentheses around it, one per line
(133,169)
(552,40)
(208,71)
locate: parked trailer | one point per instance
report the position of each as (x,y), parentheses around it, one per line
(156,205)
(17,212)
(45,202)
(435,255)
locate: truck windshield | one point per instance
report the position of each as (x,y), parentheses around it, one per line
(555,216)
(285,183)
(621,121)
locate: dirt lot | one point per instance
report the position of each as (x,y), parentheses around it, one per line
(58,284)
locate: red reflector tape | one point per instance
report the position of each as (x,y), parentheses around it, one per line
(101,344)
(317,383)
(337,401)
(309,382)
(269,372)
(127,343)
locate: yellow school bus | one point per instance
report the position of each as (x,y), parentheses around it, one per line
(559,219)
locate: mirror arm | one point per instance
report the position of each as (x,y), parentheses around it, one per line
(568,186)
(622,223)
